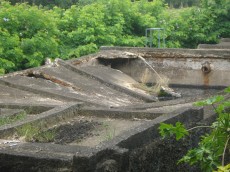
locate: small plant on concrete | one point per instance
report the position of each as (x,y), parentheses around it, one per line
(110,132)
(12,119)
(34,133)
(46,136)
(211,151)
(27,131)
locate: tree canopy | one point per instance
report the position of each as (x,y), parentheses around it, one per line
(30,33)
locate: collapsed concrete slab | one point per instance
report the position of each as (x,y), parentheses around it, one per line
(98,112)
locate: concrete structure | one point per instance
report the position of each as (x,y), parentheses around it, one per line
(99,115)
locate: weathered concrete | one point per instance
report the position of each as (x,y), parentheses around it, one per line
(179,65)
(99,101)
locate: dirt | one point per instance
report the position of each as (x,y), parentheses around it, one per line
(76,131)
(88,131)
(109,129)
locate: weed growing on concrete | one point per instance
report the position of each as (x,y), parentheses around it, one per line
(109,132)
(33,133)
(12,119)
(211,152)
(45,136)
(27,131)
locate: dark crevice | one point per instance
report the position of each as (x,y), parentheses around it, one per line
(115,63)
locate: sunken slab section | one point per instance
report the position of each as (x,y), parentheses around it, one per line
(76,157)
(94,113)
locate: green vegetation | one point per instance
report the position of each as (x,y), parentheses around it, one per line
(211,151)
(12,119)
(45,136)
(30,33)
(109,132)
(69,3)
(182,3)
(223,169)
(27,131)
(33,133)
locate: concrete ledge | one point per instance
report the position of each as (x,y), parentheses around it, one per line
(37,157)
(175,52)
(44,119)
(30,109)
(118,113)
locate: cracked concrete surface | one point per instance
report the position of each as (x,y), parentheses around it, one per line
(99,89)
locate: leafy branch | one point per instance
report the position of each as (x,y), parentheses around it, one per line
(210,153)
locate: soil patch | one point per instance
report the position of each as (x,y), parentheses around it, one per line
(75,132)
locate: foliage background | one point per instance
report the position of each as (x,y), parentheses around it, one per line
(72,28)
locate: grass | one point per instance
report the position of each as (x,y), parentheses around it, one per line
(12,119)
(35,134)
(45,136)
(27,131)
(109,132)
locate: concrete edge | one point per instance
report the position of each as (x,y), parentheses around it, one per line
(118,113)
(44,119)
(193,53)
(31,108)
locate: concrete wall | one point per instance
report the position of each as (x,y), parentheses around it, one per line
(181,66)
(181,71)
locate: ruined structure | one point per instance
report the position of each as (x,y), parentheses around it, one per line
(100,113)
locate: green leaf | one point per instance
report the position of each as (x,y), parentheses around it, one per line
(165,129)
(2,71)
(168,130)
(180,131)
(227,90)
(210,101)
(220,108)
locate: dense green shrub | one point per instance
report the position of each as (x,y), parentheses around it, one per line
(29,34)
(188,27)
